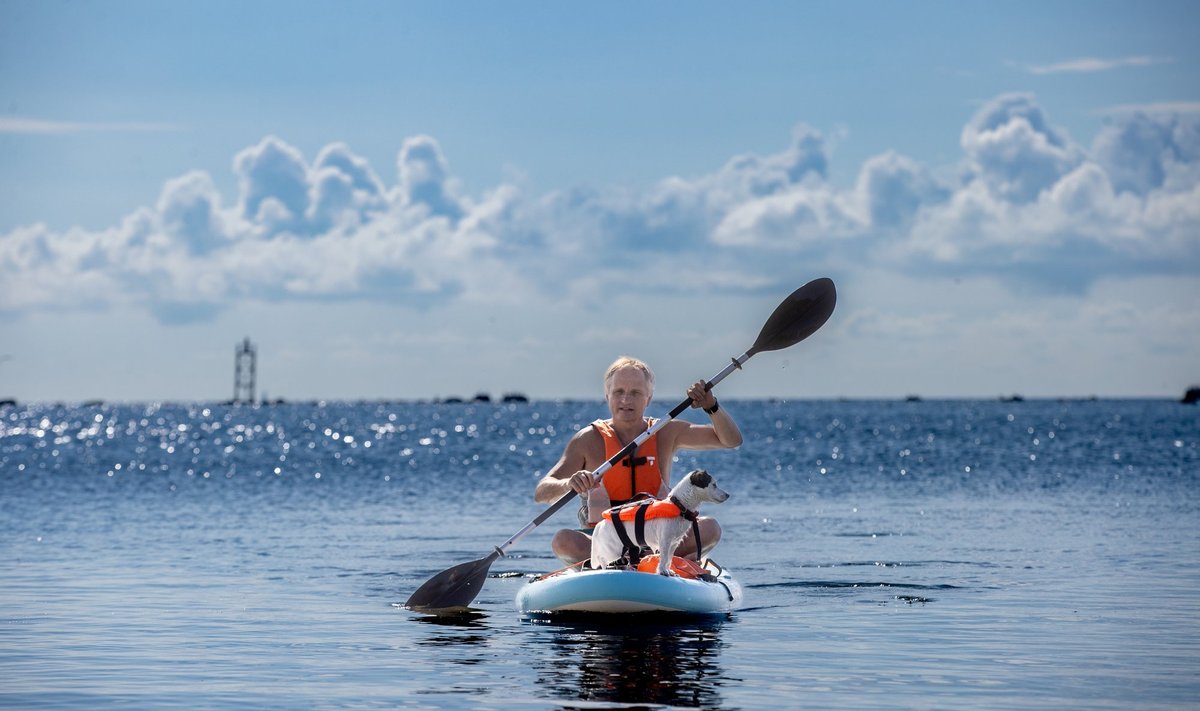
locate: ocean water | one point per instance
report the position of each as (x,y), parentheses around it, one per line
(939,554)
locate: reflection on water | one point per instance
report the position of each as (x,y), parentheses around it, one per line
(466,619)
(464,630)
(633,661)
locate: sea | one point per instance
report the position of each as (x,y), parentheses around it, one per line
(937,554)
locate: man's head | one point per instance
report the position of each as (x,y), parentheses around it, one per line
(628,386)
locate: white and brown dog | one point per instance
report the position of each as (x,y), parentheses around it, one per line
(658,525)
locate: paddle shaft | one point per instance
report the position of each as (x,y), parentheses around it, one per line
(626,451)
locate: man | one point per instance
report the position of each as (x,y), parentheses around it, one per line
(628,388)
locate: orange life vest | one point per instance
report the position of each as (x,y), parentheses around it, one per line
(638,474)
(654,509)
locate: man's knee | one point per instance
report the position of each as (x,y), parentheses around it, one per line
(570,546)
(713,529)
(710,533)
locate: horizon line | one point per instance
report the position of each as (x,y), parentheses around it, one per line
(518,399)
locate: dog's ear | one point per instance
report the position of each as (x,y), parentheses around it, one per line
(700,479)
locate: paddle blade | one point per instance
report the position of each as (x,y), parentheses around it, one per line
(453,587)
(798,317)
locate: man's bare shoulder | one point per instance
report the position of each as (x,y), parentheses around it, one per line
(587,436)
(586,432)
(585,440)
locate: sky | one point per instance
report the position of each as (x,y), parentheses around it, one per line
(412,200)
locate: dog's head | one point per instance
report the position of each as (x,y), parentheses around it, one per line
(705,487)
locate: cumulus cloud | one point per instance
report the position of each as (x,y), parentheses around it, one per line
(1011,146)
(895,188)
(1142,153)
(1026,205)
(274,183)
(424,178)
(189,212)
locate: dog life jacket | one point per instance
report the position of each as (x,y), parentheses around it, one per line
(635,475)
(683,567)
(639,512)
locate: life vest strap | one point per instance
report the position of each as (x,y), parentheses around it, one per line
(632,462)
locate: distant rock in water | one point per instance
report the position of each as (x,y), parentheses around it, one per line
(1192,396)
(483,397)
(514,397)
(8,402)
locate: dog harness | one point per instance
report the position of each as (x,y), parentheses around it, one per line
(639,512)
(636,474)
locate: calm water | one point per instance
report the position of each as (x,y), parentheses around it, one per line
(917,555)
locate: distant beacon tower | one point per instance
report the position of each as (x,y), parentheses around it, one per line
(244,365)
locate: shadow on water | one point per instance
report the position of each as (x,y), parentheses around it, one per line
(633,661)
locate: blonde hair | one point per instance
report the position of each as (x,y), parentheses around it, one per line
(629,362)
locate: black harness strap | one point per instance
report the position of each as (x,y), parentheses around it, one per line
(695,519)
(639,523)
(632,462)
(632,547)
(683,512)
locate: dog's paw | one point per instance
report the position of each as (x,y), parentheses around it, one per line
(668,573)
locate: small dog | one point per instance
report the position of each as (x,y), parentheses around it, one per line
(664,527)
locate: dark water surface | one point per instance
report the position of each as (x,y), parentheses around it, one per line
(895,555)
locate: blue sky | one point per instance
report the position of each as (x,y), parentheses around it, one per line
(433,199)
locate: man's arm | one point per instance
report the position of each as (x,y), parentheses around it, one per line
(723,433)
(557,480)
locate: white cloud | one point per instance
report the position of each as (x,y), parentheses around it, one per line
(49,127)
(274,183)
(190,211)
(1143,152)
(1156,107)
(894,189)
(1028,206)
(1093,64)
(424,178)
(1012,147)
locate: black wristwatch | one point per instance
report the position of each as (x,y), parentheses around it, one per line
(713,410)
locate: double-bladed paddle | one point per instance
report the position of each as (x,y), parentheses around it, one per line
(797,318)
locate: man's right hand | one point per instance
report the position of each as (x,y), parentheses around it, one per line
(582,482)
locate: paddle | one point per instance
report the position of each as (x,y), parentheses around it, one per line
(797,318)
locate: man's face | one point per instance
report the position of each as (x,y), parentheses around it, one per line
(628,394)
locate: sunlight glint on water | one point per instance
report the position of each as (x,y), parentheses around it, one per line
(942,554)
